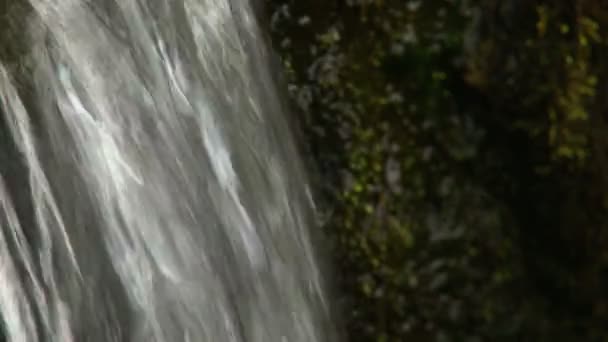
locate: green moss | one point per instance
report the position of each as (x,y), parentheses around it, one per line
(462,138)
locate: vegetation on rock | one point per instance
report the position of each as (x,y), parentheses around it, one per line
(461,147)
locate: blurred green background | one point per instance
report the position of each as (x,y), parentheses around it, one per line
(461,151)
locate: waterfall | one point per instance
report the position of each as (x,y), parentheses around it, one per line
(150,189)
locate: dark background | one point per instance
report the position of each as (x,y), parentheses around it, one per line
(460,151)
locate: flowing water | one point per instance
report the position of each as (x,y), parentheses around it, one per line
(150,188)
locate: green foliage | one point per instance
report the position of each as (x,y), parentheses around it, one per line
(463,151)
